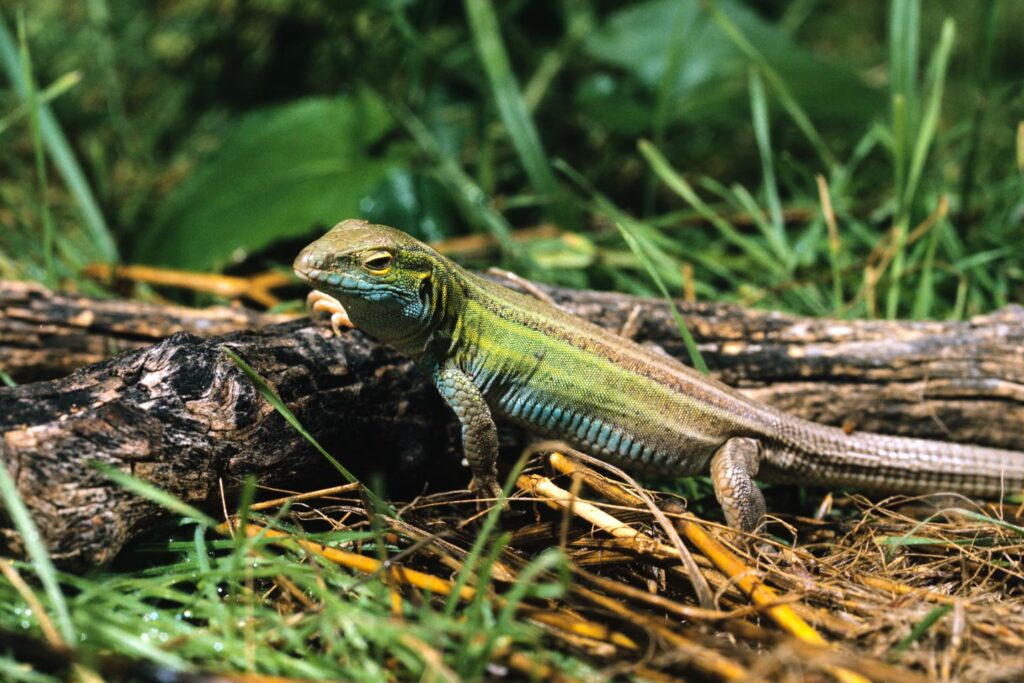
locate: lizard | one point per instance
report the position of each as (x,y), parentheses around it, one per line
(492,351)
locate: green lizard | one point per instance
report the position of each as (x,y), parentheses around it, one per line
(491,350)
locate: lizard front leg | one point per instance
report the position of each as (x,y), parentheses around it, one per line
(733,468)
(479,433)
(319,303)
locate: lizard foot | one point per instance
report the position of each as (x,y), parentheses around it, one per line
(733,468)
(485,486)
(318,304)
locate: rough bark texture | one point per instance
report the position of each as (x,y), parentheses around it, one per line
(180,413)
(44,334)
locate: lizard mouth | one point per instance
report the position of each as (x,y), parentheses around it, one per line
(313,269)
(309,267)
(335,282)
(311,276)
(310,273)
(305,276)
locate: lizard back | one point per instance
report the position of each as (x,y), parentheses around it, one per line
(566,378)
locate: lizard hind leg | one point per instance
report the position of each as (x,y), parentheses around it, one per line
(733,468)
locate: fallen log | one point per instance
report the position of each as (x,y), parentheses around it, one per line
(181,414)
(45,335)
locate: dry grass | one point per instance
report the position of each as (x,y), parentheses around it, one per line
(900,590)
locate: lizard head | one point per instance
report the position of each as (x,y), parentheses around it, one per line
(384,278)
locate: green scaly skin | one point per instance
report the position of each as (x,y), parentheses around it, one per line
(491,350)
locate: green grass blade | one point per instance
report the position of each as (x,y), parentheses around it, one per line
(37,552)
(921,628)
(681,187)
(635,245)
(904,48)
(979,517)
(930,120)
(468,195)
(52,92)
(483,22)
(32,102)
(904,39)
(469,565)
(781,250)
(762,133)
(527,584)
(778,84)
(922,144)
(271,396)
(16,672)
(925,298)
(63,157)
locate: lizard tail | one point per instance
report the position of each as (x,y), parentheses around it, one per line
(891,464)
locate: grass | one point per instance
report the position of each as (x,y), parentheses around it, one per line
(304,595)
(483,21)
(46,131)
(766,201)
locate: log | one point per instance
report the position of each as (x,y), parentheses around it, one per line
(181,414)
(45,335)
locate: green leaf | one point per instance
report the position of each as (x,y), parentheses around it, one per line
(711,79)
(277,174)
(414,200)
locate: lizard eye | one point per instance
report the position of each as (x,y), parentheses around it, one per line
(379,263)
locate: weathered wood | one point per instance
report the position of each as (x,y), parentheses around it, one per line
(45,335)
(182,415)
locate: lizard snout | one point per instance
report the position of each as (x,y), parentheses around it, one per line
(310,263)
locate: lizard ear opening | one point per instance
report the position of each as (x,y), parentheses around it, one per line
(426,289)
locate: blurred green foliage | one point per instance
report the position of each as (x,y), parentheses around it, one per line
(679,49)
(277,172)
(208,132)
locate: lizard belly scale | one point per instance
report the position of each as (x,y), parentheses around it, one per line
(591,434)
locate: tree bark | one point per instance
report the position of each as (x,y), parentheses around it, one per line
(181,414)
(45,335)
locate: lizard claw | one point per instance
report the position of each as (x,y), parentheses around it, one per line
(486,487)
(318,303)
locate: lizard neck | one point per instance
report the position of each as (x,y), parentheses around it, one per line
(434,338)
